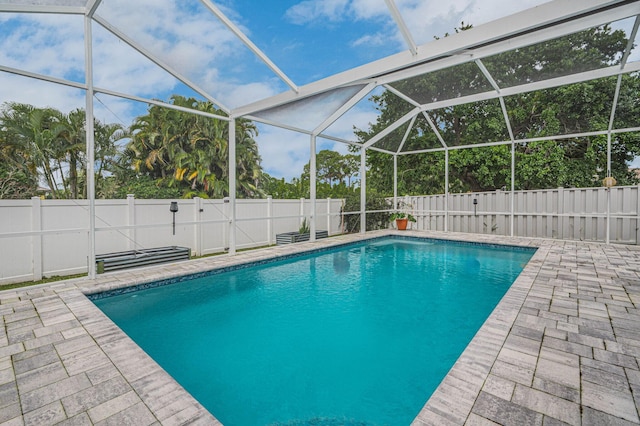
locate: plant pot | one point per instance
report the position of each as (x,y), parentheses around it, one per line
(401,224)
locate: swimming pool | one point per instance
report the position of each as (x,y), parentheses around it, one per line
(360,334)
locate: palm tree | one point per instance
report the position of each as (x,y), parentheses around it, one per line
(107,155)
(192,151)
(71,145)
(248,159)
(34,132)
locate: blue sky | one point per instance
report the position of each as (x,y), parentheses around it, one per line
(307,40)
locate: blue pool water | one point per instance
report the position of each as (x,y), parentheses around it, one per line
(358,335)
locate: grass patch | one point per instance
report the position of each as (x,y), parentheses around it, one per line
(68,277)
(42,281)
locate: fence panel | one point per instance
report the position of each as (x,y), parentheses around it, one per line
(17,253)
(50,237)
(562,213)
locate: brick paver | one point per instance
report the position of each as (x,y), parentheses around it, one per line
(562,347)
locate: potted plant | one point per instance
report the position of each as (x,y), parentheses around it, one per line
(402,219)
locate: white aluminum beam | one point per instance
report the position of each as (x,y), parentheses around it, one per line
(630,43)
(344,108)
(435,129)
(392,127)
(278,124)
(363,190)
(538,85)
(247,42)
(545,17)
(406,134)
(42,77)
(41,8)
(232,228)
(113,30)
(159,103)
(90,146)
(406,34)
(401,95)
(92,5)
(487,75)
(313,178)
(116,94)
(527,140)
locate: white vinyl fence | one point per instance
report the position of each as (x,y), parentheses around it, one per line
(562,213)
(50,237)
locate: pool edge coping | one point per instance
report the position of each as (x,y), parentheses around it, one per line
(498,323)
(466,358)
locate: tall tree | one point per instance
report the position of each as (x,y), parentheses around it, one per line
(16,181)
(576,108)
(190,151)
(50,144)
(33,132)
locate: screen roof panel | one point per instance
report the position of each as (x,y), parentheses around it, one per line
(57,3)
(449,83)
(628,106)
(470,124)
(570,54)
(46,44)
(552,40)
(393,140)
(421,136)
(188,38)
(531,117)
(349,33)
(309,113)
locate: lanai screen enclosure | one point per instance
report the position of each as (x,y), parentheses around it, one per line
(476,66)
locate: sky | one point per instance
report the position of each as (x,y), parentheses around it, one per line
(307,40)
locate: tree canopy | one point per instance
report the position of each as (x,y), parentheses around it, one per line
(576,108)
(168,153)
(189,151)
(46,143)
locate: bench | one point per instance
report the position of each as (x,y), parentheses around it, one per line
(133,258)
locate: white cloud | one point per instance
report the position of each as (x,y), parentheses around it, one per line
(118,67)
(202,49)
(369,9)
(429,18)
(43,94)
(193,42)
(284,153)
(39,93)
(313,10)
(370,40)
(236,95)
(39,44)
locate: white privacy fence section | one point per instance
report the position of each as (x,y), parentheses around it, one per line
(562,213)
(50,237)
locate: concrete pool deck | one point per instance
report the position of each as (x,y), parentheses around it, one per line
(562,347)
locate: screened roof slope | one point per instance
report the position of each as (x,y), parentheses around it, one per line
(487,67)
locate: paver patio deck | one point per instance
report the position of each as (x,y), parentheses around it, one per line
(562,347)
